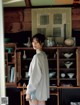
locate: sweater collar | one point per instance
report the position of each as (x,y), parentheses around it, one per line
(38,51)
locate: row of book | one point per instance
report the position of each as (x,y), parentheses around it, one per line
(11,74)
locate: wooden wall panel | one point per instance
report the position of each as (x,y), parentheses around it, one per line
(16,20)
(76,18)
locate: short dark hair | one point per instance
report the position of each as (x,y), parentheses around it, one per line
(39,37)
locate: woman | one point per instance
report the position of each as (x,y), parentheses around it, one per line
(38,87)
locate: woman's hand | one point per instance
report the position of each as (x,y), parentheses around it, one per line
(28,97)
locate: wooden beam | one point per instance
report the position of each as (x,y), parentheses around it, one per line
(28,3)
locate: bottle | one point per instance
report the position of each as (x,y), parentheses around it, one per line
(29,42)
(24,54)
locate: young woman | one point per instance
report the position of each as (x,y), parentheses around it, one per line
(38,87)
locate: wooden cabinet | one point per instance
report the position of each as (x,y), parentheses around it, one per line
(63,68)
(63,65)
(10,64)
(67,66)
(24,56)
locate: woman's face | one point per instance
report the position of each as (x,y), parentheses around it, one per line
(36,45)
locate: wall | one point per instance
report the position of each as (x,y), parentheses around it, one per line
(19,19)
(64,1)
(76,18)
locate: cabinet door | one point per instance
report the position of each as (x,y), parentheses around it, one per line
(67,67)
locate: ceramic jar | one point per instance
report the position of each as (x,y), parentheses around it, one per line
(50,41)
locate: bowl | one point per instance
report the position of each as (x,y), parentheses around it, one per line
(68,55)
(68,64)
(69,42)
(70,75)
(63,75)
(74,103)
(51,74)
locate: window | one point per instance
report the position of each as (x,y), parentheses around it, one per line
(55,22)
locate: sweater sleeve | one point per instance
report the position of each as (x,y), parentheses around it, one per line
(35,76)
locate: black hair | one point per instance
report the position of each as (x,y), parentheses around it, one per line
(39,37)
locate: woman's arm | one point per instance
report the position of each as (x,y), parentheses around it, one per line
(35,76)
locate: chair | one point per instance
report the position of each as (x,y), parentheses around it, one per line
(23,94)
